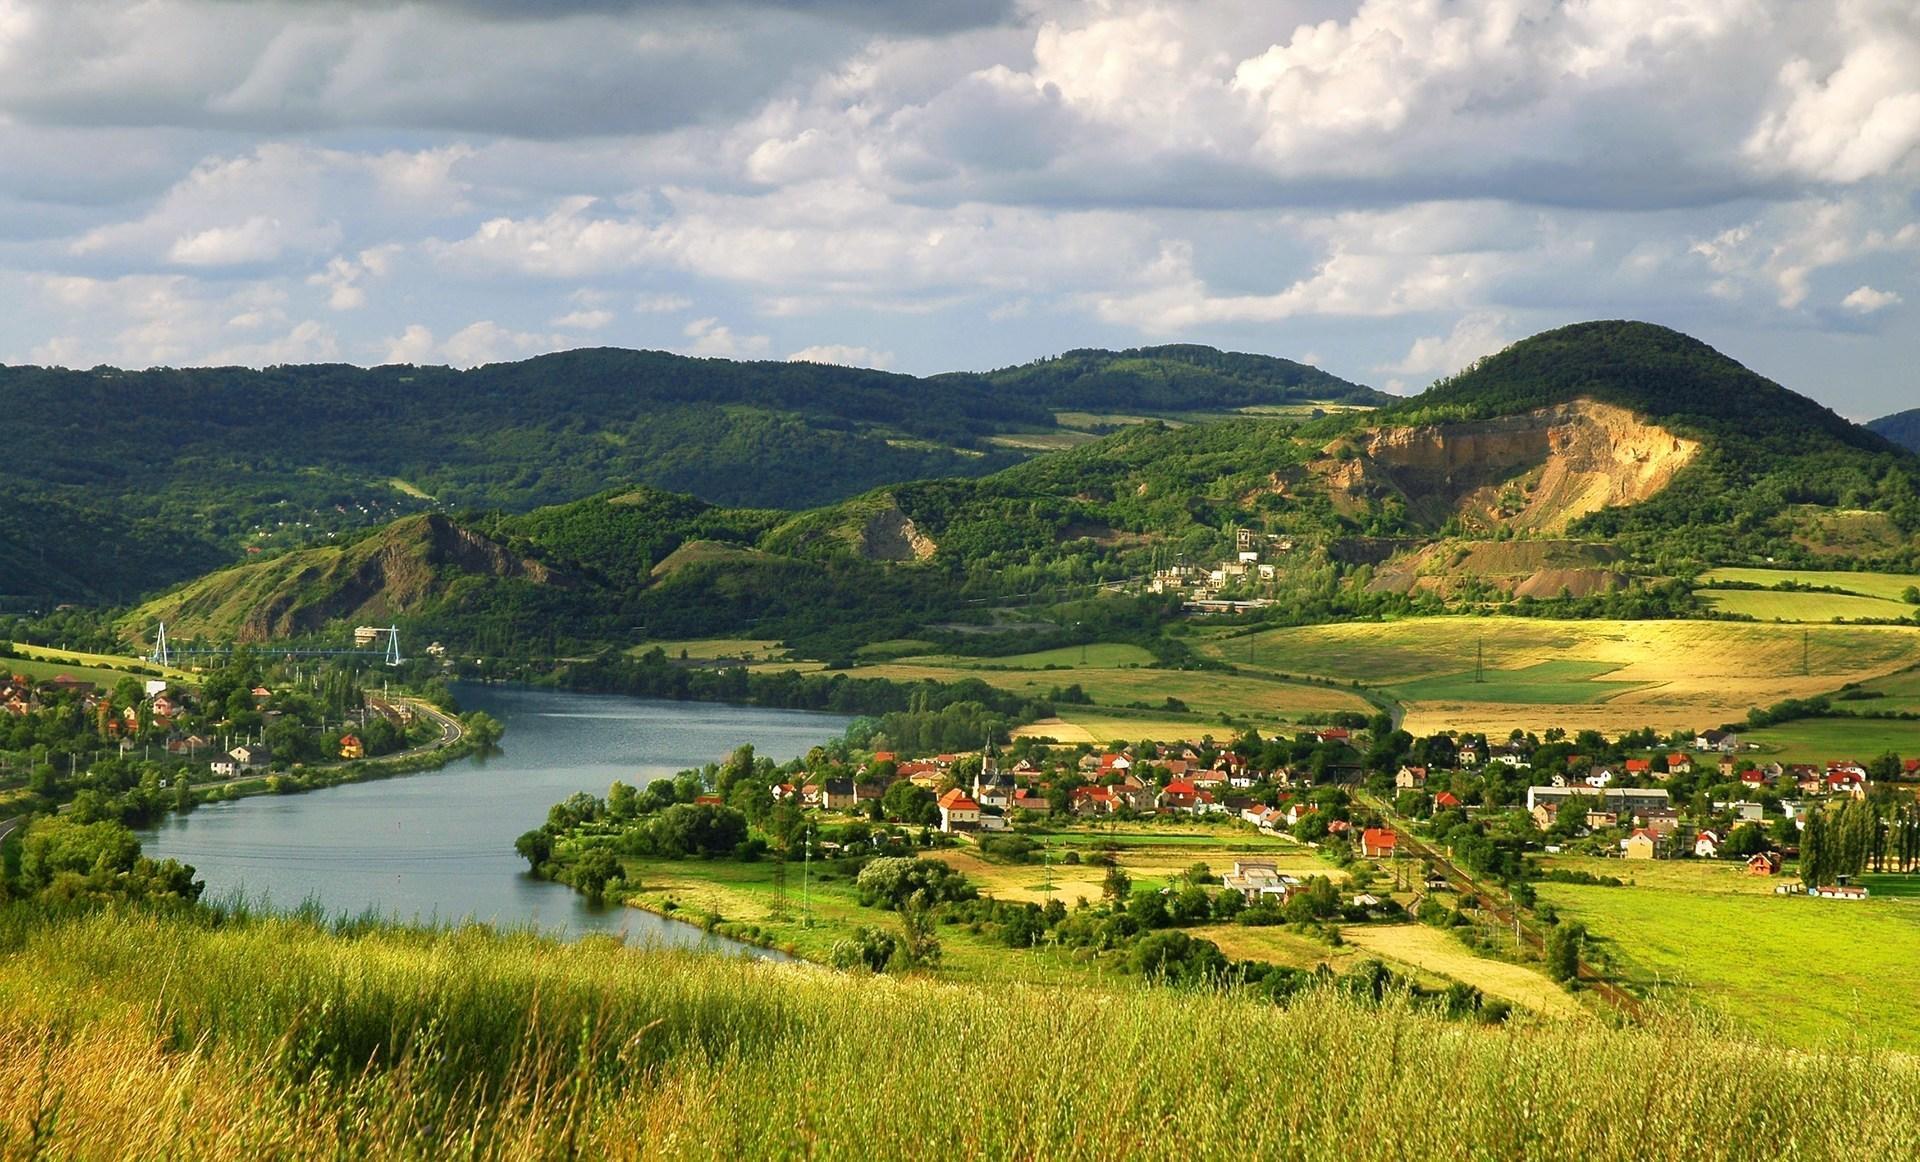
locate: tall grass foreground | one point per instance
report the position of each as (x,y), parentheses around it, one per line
(225,1035)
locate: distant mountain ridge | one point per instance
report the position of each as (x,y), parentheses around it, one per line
(123,482)
(1588,459)
(1903,428)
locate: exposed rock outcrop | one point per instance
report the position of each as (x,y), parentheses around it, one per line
(1538,471)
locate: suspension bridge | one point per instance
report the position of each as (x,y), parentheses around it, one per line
(366,639)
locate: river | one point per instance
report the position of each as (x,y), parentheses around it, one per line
(438,846)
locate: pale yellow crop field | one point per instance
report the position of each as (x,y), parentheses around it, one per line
(1435,951)
(1670,675)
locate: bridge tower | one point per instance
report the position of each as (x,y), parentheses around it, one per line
(161,654)
(393,645)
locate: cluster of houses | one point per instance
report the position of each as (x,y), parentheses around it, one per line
(159,708)
(1111,783)
(1250,565)
(162,709)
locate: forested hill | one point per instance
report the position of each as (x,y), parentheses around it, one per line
(1902,429)
(122,482)
(1175,378)
(1658,373)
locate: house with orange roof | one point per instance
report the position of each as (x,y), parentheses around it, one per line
(958,812)
(1378,843)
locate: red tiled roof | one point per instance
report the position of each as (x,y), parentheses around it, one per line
(1378,837)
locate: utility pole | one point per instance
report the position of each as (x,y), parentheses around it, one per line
(806,867)
(1806,653)
(1480,660)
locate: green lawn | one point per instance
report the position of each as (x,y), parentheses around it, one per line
(1807,971)
(1888,586)
(40,671)
(1094,655)
(1564,683)
(1778,605)
(1816,740)
(1896,692)
(744,894)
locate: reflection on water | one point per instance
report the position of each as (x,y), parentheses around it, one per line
(438,846)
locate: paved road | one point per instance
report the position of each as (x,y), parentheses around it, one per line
(9,826)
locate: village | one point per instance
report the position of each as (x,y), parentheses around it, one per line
(1703,798)
(116,742)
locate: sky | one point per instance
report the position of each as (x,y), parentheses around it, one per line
(1388,189)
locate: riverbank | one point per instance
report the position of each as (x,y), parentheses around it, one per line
(439,844)
(458,740)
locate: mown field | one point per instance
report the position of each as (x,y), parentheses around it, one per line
(1543,683)
(1672,675)
(1203,692)
(711,649)
(1437,953)
(1894,692)
(1818,740)
(1779,605)
(1886,586)
(1807,972)
(297,1042)
(1101,727)
(41,662)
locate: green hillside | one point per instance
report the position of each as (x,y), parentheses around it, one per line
(367,1041)
(408,567)
(125,481)
(1903,428)
(1173,378)
(1496,485)
(1774,472)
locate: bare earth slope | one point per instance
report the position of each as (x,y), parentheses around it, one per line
(1538,471)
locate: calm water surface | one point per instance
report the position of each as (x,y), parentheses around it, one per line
(439,845)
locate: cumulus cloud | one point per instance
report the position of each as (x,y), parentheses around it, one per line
(843,356)
(1474,335)
(1865,300)
(714,339)
(1396,184)
(583,320)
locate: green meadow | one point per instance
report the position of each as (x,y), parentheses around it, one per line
(1817,740)
(1886,586)
(1803,971)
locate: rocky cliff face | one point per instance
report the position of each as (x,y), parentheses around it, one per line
(890,535)
(1538,471)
